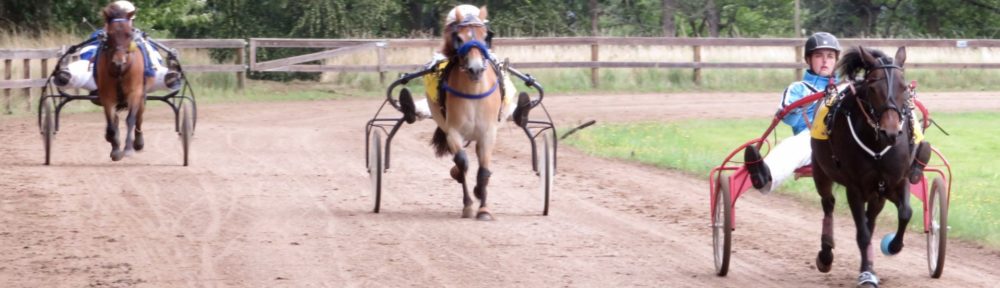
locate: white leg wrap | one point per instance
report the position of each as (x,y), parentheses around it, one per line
(423,111)
(787,156)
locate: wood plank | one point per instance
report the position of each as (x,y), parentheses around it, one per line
(273,64)
(29,53)
(307,43)
(203,43)
(347,68)
(953,65)
(22,83)
(215,68)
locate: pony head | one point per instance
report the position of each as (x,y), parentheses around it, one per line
(119,33)
(882,90)
(468,39)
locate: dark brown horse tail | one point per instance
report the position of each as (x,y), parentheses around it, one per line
(440,142)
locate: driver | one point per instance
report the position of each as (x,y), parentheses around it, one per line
(822,50)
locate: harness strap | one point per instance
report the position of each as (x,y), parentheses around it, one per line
(461,94)
(854,134)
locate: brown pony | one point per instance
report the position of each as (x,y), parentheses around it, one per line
(471,104)
(869,152)
(121,83)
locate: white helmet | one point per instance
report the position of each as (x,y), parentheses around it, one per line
(125,6)
(468,12)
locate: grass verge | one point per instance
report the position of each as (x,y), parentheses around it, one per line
(695,146)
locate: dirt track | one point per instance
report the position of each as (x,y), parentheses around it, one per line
(277,195)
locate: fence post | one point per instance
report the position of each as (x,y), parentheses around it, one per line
(697,62)
(798,59)
(380,51)
(241,77)
(595,75)
(7,63)
(27,90)
(253,55)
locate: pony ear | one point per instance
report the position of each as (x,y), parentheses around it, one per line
(458,15)
(130,15)
(901,56)
(106,13)
(867,57)
(483,13)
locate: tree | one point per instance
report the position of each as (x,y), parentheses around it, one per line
(669,27)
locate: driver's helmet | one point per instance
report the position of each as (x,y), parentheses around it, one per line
(468,12)
(821,40)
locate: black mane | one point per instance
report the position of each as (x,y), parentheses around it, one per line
(852,62)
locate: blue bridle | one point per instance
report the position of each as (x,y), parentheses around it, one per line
(475,43)
(462,52)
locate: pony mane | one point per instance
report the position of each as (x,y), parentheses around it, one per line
(852,62)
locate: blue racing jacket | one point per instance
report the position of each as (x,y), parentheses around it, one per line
(811,83)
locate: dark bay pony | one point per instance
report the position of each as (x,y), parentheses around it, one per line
(869,152)
(472,103)
(121,82)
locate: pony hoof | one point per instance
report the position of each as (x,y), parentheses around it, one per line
(867,280)
(129,152)
(484,216)
(886,246)
(139,143)
(823,264)
(468,212)
(117,155)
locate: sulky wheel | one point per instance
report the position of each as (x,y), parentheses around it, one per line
(722,226)
(376,165)
(186,130)
(546,165)
(937,232)
(48,127)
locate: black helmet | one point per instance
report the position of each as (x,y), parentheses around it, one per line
(821,40)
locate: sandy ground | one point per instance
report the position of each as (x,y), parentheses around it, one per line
(277,196)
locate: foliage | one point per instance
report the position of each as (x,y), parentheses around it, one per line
(397,18)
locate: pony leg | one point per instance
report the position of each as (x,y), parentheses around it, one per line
(484,150)
(459,170)
(824,186)
(139,142)
(130,129)
(905,212)
(111,133)
(864,235)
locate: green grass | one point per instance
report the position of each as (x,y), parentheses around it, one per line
(696,146)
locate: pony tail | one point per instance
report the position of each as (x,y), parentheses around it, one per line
(440,143)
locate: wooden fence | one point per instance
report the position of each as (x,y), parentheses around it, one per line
(341,47)
(43,57)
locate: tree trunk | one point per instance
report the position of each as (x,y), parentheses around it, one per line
(669,27)
(712,17)
(593,18)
